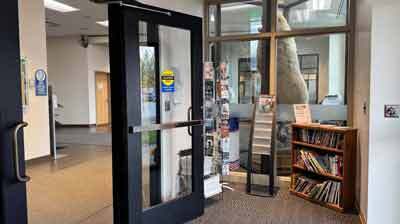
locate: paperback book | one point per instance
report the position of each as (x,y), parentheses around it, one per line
(323,138)
(323,164)
(326,192)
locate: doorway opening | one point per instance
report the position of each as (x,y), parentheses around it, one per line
(78,178)
(71,171)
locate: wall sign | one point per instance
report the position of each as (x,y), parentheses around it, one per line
(302,113)
(392,111)
(40,83)
(168,81)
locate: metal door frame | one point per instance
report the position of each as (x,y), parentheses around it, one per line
(13,199)
(124,18)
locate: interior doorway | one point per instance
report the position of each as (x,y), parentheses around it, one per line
(103,100)
(59,190)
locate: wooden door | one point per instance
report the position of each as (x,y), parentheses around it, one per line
(102,98)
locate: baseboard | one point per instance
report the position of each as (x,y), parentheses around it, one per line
(77,125)
(38,160)
(362,218)
(361,215)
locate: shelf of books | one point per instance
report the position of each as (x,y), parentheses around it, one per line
(323,165)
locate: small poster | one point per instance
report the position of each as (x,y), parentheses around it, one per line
(40,83)
(223,71)
(224,129)
(209,144)
(266,103)
(392,111)
(225,144)
(225,169)
(225,111)
(302,113)
(168,81)
(209,71)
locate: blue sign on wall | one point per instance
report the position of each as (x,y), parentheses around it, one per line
(41,83)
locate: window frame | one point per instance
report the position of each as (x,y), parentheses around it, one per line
(273,35)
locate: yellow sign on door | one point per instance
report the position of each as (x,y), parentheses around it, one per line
(168,81)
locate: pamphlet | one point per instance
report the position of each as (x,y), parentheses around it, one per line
(302,113)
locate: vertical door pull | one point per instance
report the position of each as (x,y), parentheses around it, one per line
(22,179)
(189,118)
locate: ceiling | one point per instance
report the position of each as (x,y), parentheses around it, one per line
(82,22)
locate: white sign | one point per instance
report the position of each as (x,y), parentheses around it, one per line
(302,113)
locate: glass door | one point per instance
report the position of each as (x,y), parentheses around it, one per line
(156,66)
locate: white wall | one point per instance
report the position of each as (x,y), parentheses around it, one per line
(33,48)
(72,70)
(384,153)
(68,71)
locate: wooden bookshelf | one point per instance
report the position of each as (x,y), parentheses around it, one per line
(328,205)
(346,149)
(327,175)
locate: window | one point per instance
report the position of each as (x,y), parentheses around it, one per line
(302,58)
(311,69)
(236,18)
(312,13)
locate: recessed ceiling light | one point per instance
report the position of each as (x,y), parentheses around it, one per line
(103,23)
(58,6)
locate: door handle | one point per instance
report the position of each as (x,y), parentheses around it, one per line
(189,118)
(22,179)
(165,126)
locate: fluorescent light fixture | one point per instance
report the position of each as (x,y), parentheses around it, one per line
(237,7)
(103,23)
(212,18)
(58,6)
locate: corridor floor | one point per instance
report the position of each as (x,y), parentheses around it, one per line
(77,189)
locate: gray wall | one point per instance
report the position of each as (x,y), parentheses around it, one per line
(360,92)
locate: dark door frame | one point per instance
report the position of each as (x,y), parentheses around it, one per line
(13,200)
(127,199)
(126,93)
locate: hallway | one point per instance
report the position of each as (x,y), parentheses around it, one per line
(71,189)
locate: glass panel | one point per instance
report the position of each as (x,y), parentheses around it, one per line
(238,18)
(245,80)
(166,154)
(311,70)
(211,23)
(150,147)
(296,14)
(244,66)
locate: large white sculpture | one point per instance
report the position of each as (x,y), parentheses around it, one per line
(291,87)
